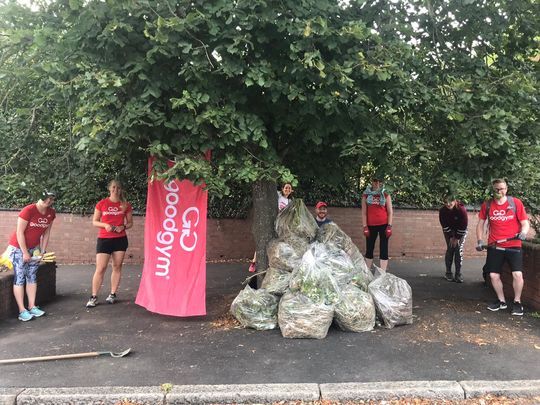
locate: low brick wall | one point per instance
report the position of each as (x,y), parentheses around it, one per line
(46,279)
(531,276)
(417,233)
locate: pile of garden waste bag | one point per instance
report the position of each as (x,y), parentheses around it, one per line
(317,275)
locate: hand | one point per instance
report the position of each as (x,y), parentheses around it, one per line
(388,231)
(109,228)
(26,256)
(480,245)
(522,235)
(366,231)
(119,228)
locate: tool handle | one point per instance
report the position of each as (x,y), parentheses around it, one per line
(46,358)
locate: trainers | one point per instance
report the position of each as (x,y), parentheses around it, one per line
(458,278)
(92,302)
(517,308)
(25,316)
(448,276)
(497,305)
(111,299)
(37,312)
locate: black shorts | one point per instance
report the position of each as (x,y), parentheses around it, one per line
(497,257)
(110,245)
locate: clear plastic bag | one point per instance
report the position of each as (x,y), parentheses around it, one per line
(286,254)
(300,317)
(314,277)
(276,281)
(296,220)
(332,235)
(355,311)
(393,299)
(255,309)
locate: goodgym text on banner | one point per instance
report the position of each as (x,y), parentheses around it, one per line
(173,281)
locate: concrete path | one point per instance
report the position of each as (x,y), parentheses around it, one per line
(453,339)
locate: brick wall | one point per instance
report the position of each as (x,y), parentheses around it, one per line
(417,233)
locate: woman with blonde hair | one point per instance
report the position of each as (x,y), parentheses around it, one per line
(113,215)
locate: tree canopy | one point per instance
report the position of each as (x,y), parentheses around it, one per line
(436,95)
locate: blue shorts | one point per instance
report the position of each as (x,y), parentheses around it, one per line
(23,272)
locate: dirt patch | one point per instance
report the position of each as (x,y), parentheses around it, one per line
(226,322)
(468,321)
(485,400)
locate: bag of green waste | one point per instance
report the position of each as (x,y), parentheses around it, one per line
(296,220)
(286,254)
(276,281)
(314,277)
(393,299)
(355,311)
(332,235)
(339,263)
(300,317)
(255,309)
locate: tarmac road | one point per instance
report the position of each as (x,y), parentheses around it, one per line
(453,337)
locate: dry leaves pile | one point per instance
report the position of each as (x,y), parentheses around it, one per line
(485,400)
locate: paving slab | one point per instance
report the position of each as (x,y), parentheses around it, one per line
(91,395)
(453,338)
(376,391)
(514,388)
(242,393)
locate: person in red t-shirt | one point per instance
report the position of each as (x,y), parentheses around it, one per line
(377,215)
(113,215)
(504,222)
(32,233)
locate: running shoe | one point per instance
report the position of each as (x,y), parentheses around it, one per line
(448,276)
(497,305)
(92,302)
(517,308)
(25,316)
(458,278)
(111,299)
(37,312)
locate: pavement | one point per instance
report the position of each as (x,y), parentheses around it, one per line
(455,348)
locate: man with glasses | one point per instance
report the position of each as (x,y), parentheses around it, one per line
(32,233)
(508,225)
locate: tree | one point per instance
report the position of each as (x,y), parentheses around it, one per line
(325,90)
(471,114)
(265,86)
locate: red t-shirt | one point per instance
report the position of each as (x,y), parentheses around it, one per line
(376,213)
(503,222)
(37,225)
(112,214)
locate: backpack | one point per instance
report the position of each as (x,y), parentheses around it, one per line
(511,206)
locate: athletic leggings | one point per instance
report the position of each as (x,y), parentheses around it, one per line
(370,243)
(454,253)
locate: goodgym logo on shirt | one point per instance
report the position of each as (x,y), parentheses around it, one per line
(501,215)
(112,211)
(41,223)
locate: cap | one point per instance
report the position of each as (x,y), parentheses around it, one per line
(321,204)
(47,194)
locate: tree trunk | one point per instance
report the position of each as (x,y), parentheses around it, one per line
(265,210)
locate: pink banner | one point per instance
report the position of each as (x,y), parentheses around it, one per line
(173,281)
